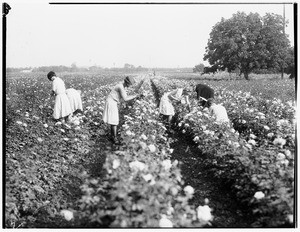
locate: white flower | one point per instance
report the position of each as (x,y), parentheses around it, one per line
(279,141)
(248,146)
(285,162)
(252,142)
(259,195)
(204,213)
(196,138)
(266,128)
(183,131)
(165,222)
(252,136)
(45,125)
(152,148)
(180,124)
(243,121)
(290,218)
(76,122)
(288,153)
(67,214)
(136,165)
(147,177)
(282,122)
(270,135)
(171,150)
(189,190)
(116,163)
(167,164)
(19,122)
(39,139)
(143,136)
(236,144)
(280,156)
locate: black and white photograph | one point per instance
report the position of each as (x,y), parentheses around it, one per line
(149,114)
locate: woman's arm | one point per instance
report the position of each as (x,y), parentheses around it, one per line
(124,95)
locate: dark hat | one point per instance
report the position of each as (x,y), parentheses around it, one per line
(51,74)
(129,80)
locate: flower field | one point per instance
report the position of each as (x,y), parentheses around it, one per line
(72,176)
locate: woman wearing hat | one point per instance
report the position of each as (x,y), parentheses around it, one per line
(165,106)
(111,111)
(62,108)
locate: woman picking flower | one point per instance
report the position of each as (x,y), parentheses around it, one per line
(62,109)
(74,99)
(218,111)
(111,111)
(165,106)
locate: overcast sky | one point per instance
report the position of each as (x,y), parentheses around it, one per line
(42,34)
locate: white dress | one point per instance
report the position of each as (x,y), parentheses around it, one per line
(74,99)
(62,106)
(165,105)
(219,112)
(111,111)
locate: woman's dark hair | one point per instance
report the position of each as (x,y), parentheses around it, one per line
(129,81)
(50,75)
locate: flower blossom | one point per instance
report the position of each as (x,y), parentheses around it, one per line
(279,141)
(259,195)
(152,148)
(280,156)
(189,190)
(252,142)
(147,177)
(67,214)
(167,164)
(196,139)
(165,222)
(204,213)
(143,136)
(137,165)
(266,127)
(116,163)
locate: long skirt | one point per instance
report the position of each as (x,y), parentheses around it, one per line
(62,106)
(74,99)
(111,112)
(165,106)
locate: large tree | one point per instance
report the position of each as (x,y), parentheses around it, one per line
(247,42)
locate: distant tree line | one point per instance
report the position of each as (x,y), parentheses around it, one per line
(74,68)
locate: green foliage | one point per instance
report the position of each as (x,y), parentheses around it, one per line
(248,42)
(198,68)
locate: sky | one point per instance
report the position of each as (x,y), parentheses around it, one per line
(110,35)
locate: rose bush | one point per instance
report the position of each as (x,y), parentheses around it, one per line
(255,153)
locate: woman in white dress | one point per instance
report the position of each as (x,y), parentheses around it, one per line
(111,111)
(217,111)
(74,99)
(165,106)
(62,109)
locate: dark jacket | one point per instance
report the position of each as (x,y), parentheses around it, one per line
(205,92)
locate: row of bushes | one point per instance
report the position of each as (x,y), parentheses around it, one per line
(255,155)
(143,187)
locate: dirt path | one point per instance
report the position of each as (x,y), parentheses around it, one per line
(227,211)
